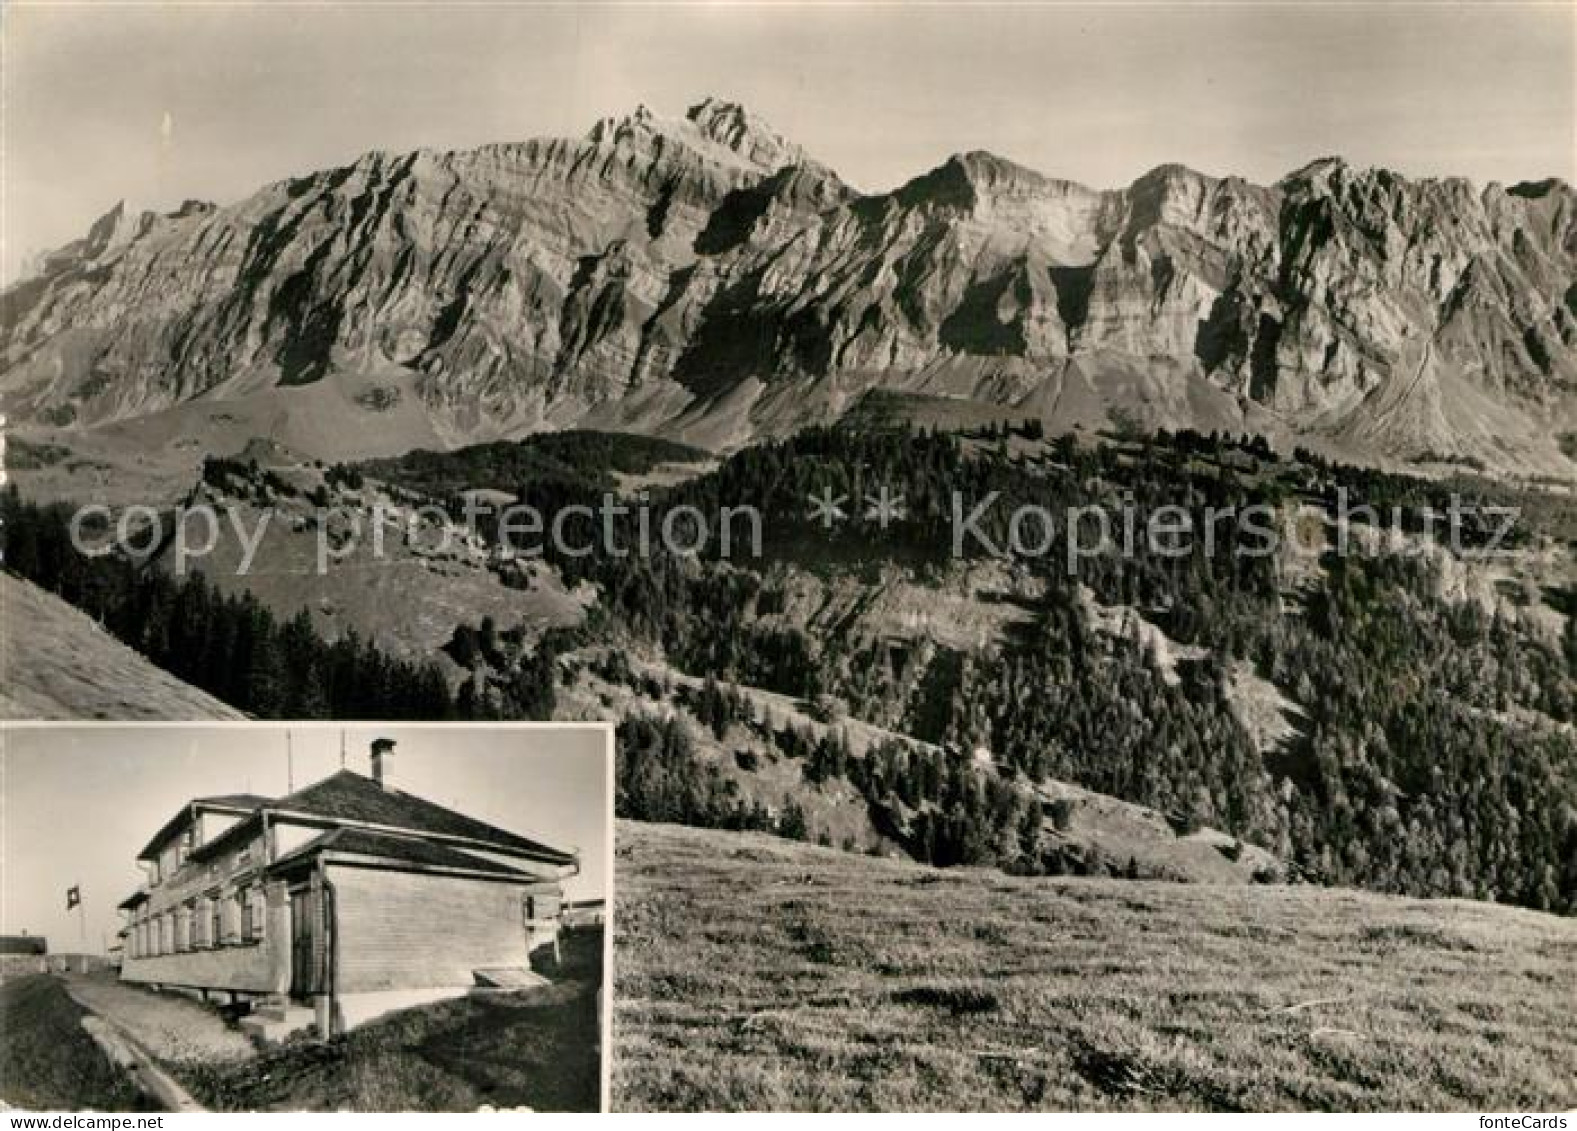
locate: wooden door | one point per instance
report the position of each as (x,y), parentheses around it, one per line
(305,929)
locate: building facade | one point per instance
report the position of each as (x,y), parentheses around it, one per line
(23,954)
(338,902)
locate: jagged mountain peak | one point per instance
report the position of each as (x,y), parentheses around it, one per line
(193,207)
(711,109)
(109,218)
(116,225)
(1540,189)
(731,124)
(1436,202)
(113,230)
(986,168)
(721,130)
(1319,167)
(658,266)
(1172,174)
(965,179)
(1334,175)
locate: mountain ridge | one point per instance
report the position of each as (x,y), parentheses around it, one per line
(705,278)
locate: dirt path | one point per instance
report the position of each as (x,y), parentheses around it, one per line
(168,1026)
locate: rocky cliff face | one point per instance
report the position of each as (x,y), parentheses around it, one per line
(656,273)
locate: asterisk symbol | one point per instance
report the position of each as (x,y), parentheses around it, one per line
(884,507)
(827,508)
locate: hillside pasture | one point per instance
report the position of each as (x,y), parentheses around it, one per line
(758,974)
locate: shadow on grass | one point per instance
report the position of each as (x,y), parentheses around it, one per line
(537,1049)
(47,1060)
(960,1001)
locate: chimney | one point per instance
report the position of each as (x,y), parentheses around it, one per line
(382,757)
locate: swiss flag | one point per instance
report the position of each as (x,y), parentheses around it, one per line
(73,896)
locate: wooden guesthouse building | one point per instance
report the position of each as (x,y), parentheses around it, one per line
(339,902)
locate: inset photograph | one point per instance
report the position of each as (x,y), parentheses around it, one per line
(243,917)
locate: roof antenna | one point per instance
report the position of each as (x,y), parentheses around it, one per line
(290,765)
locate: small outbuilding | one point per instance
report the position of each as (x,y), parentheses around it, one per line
(22,954)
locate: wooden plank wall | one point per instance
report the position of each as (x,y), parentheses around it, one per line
(402,930)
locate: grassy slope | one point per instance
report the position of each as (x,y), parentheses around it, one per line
(47,1061)
(56,663)
(409,603)
(758,974)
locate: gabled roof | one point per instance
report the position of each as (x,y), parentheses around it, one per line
(233,801)
(396,849)
(350,797)
(135,899)
(239,803)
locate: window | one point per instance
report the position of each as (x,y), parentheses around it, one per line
(183,846)
(259,914)
(216,922)
(253,909)
(200,923)
(542,907)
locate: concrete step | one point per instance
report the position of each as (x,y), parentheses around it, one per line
(272,1004)
(282,1012)
(508,978)
(275,1023)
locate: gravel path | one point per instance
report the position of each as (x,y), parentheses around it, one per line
(167,1025)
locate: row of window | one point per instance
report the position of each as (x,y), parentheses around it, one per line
(168,864)
(200,924)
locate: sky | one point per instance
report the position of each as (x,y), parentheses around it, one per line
(78,803)
(155,103)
